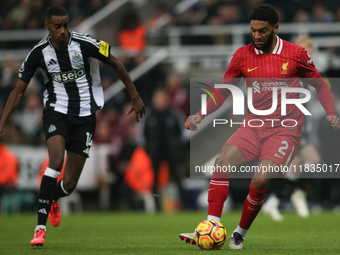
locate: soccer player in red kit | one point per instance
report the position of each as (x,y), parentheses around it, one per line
(269,64)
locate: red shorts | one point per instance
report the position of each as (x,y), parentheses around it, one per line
(276,145)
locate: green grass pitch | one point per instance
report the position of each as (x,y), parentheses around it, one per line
(138,233)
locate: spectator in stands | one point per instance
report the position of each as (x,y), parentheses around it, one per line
(124,122)
(132,35)
(8,76)
(162,132)
(20,13)
(94,6)
(35,19)
(212,6)
(103,132)
(193,16)
(337,14)
(121,192)
(321,14)
(76,10)
(9,168)
(107,129)
(150,80)
(230,14)
(8,72)
(161,18)
(302,16)
(6,24)
(15,134)
(29,119)
(178,95)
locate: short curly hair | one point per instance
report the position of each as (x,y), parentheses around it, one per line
(264,12)
(56,10)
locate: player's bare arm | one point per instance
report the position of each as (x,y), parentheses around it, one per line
(334,121)
(13,102)
(192,121)
(137,103)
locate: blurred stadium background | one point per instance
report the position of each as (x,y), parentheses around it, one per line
(162,44)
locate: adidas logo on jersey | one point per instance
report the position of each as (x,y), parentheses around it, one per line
(52,128)
(52,62)
(42,210)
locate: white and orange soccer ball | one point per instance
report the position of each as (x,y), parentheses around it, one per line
(210,235)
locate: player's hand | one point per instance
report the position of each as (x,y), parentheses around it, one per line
(192,121)
(137,107)
(334,121)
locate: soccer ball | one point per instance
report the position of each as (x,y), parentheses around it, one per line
(210,235)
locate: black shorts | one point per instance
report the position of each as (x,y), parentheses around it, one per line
(77,131)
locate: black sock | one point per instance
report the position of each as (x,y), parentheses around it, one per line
(47,189)
(59,192)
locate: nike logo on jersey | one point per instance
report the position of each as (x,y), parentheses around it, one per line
(253,209)
(278,156)
(250,70)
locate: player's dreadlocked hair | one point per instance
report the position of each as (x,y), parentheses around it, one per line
(56,10)
(264,12)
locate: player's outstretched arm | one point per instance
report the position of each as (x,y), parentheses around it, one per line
(334,121)
(13,102)
(137,103)
(192,121)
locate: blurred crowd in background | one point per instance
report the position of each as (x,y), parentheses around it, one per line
(165,93)
(28,14)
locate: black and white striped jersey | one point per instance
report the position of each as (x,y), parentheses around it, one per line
(71,76)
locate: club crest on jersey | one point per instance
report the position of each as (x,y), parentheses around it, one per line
(52,128)
(284,68)
(76,58)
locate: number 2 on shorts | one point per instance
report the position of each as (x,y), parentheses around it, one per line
(282,148)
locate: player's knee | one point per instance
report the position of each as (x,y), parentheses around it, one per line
(313,160)
(260,183)
(56,164)
(220,161)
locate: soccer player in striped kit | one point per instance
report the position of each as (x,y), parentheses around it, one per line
(73,93)
(277,62)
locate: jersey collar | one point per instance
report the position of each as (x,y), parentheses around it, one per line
(277,48)
(69,40)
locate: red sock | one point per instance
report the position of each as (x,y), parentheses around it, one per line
(218,193)
(252,206)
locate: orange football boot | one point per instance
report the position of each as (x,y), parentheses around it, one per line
(55,214)
(39,238)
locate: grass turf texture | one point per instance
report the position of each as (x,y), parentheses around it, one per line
(137,233)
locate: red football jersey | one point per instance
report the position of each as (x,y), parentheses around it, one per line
(281,68)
